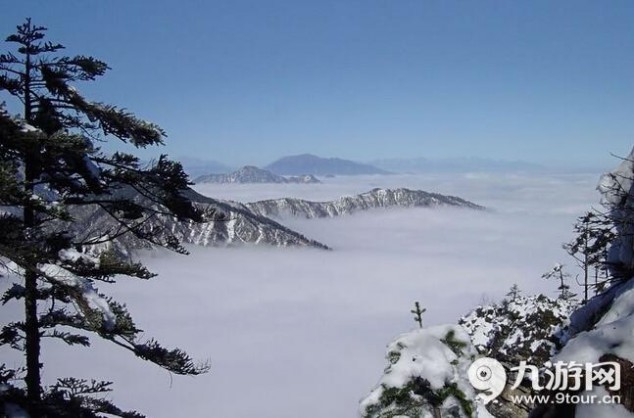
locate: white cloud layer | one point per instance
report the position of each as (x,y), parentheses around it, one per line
(295,333)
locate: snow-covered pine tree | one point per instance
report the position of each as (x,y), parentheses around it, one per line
(51,168)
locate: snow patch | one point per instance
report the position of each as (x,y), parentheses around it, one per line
(85,289)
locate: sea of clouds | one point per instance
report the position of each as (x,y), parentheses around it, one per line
(302,332)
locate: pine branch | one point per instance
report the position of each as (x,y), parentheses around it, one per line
(68,338)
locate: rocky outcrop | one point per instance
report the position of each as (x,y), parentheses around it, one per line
(528,328)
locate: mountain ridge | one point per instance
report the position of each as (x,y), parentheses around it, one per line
(227,223)
(375,198)
(253,174)
(224,223)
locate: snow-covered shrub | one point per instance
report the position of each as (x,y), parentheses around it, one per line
(426,375)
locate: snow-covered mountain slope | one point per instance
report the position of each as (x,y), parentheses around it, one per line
(225,223)
(520,328)
(610,338)
(251,174)
(376,198)
(426,376)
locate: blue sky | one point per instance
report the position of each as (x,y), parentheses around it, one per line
(249,81)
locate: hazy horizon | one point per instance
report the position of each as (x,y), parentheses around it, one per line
(456,163)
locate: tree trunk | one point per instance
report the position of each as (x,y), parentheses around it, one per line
(33,380)
(32,327)
(437,413)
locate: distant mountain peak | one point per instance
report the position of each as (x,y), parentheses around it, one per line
(312,164)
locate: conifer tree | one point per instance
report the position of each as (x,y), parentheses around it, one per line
(418,314)
(593,233)
(52,171)
(558,273)
(514,292)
